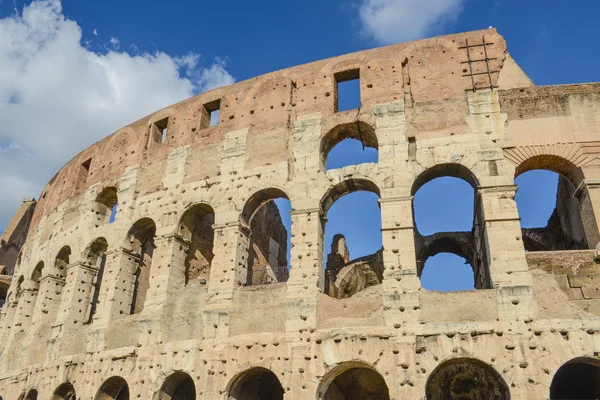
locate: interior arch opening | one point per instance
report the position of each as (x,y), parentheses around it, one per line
(114,388)
(347,144)
(355,261)
(141,239)
(196,230)
(466,379)
(551,210)
(256,384)
(62,261)
(36,275)
(31,395)
(178,386)
(266,215)
(353,382)
(577,379)
(448,230)
(107,202)
(66,391)
(95,256)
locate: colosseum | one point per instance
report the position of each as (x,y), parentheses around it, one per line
(154,264)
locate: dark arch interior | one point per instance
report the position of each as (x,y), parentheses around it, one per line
(256,384)
(107,201)
(576,380)
(141,236)
(178,386)
(66,391)
(196,230)
(96,256)
(114,388)
(358,384)
(62,261)
(466,379)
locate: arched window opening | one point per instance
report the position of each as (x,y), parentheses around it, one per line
(577,379)
(349,144)
(178,386)
(62,261)
(447,217)
(66,391)
(114,388)
(269,239)
(36,275)
(353,381)
(195,228)
(4,285)
(106,205)
(32,395)
(466,378)
(95,256)
(353,233)
(256,384)
(141,238)
(550,213)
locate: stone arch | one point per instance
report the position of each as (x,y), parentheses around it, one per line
(37,274)
(554,163)
(256,383)
(459,243)
(196,229)
(178,386)
(114,388)
(65,391)
(466,378)
(62,261)
(266,238)
(347,186)
(105,203)
(95,256)
(141,241)
(578,378)
(353,380)
(454,170)
(32,394)
(358,129)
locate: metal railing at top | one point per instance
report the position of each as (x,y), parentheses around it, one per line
(265,276)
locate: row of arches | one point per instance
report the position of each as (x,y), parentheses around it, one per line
(460,378)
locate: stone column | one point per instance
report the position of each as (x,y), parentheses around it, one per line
(307,275)
(8,315)
(498,224)
(401,284)
(27,300)
(228,271)
(588,195)
(48,300)
(76,297)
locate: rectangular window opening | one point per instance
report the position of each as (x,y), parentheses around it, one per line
(347,90)
(211,113)
(158,131)
(84,171)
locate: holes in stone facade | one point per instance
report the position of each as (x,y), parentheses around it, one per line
(106,205)
(554,214)
(347,90)
(268,238)
(114,388)
(349,144)
(141,239)
(211,114)
(256,384)
(66,391)
(159,130)
(356,258)
(577,379)
(446,234)
(353,381)
(465,378)
(95,257)
(195,228)
(178,386)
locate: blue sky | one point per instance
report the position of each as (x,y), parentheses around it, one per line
(90,67)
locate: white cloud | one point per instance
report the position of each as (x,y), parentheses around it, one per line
(57,97)
(393,21)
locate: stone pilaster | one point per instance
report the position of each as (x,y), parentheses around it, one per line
(588,194)
(307,275)
(401,283)
(48,301)
(8,315)
(498,229)
(228,270)
(27,300)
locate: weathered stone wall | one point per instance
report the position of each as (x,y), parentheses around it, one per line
(430,113)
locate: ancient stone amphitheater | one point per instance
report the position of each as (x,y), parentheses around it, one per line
(187,293)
